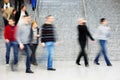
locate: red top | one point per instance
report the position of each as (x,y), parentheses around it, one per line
(10,32)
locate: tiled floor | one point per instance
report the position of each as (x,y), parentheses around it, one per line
(66,70)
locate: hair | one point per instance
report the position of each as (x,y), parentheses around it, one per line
(33,22)
(102,20)
(12,18)
(48,16)
(22,6)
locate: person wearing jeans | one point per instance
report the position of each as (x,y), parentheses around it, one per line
(102,34)
(50,51)
(48,40)
(24,40)
(10,40)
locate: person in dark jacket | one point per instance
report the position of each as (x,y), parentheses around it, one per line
(20,14)
(34,42)
(83,34)
(5,6)
(48,40)
(18,4)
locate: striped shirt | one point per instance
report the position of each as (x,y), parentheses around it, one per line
(47,33)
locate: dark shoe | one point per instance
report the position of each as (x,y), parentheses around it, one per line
(29,71)
(109,64)
(51,69)
(34,64)
(86,65)
(7,62)
(14,67)
(78,63)
(96,63)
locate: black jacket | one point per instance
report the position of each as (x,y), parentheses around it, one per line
(83,33)
(17,16)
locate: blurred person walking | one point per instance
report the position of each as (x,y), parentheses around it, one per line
(83,34)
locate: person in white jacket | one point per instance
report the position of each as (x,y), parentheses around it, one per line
(102,35)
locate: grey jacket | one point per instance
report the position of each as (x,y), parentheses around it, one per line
(24,33)
(102,33)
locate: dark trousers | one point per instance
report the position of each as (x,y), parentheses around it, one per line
(28,53)
(18,4)
(82,53)
(33,55)
(5,21)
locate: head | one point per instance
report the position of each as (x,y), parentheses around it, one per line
(27,19)
(14,11)
(6,1)
(23,7)
(103,21)
(11,21)
(81,21)
(50,19)
(34,24)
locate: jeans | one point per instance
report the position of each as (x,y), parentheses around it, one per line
(13,44)
(103,51)
(34,2)
(50,50)
(28,53)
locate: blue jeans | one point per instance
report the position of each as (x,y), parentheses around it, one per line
(13,44)
(28,54)
(103,51)
(50,50)
(34,2)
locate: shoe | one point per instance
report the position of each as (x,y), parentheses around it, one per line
(109,64)
(14,67)
(7,62)
(96,63)
(78,63)
(29,71)
(86,65)
(34,64)
(51,69)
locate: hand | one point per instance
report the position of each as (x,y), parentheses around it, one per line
(93,41)
(21,46)
(7,41)
(38,36)
(43,45)
(58,43)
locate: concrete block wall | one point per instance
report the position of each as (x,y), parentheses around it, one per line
(66,13)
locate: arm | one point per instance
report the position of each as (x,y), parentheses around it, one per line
(19,35)
(88,34)
(42,41)
(6,35)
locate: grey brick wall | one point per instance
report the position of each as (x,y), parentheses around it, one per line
(66,13)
